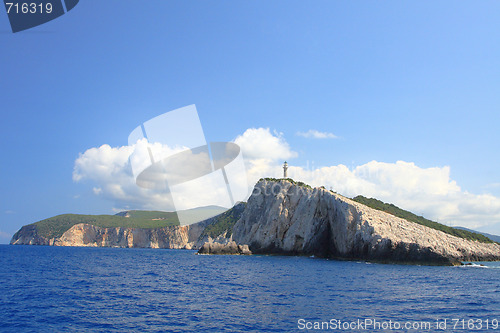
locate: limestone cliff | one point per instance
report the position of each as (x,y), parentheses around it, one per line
(175,237)
(215,229)
(83,234)
(288,218)
(281,217)
(28,235)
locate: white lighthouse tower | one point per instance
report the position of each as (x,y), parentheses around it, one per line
(285,168)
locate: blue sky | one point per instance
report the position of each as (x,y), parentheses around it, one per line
(415,82)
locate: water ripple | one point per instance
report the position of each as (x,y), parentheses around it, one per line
(47,289)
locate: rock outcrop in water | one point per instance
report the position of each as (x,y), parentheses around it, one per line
(224,248)
(282,217)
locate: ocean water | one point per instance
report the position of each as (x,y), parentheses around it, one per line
(63,289)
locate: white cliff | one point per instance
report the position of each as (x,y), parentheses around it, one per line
(84,234)
(281,217)
(175,237)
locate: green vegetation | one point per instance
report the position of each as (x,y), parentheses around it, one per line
(151,215)
(396,211)
(57,225)
(224,222)
(288,179)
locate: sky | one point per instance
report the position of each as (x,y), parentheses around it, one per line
(393,100)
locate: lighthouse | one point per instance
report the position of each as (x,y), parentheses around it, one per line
(285,168)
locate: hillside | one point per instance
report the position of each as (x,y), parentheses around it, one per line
(224,222)
(54,227)
(494,238)
(398,212)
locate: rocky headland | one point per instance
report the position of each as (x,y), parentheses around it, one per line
(85,234)
(212,230)
(284,217)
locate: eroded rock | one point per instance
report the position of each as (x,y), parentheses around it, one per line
(281,217)
(227,248)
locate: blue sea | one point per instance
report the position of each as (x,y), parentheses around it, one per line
(64,289)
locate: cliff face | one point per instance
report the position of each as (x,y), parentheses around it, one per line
(215,229)
(28,235)
(281,217)
(175,237)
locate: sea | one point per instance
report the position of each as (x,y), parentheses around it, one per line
(72,289)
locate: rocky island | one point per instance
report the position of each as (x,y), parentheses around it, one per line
(282,217)
(285,217)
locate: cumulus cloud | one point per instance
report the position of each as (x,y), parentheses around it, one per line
(314,134)
(260,143)
(425,191)
(109,169)
(102,162)
(264,152)
(115,173)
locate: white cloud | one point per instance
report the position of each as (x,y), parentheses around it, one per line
(314,134)
(110,171)
(260,143)
(109,168)
(264,153)
(103,162)
(425,191)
